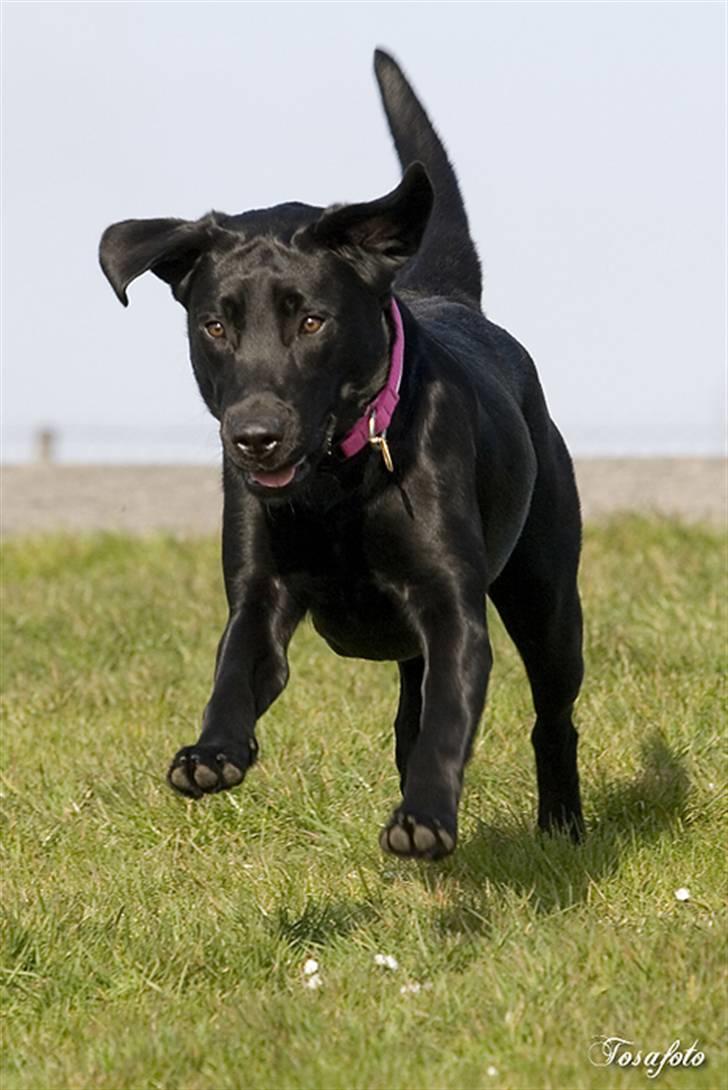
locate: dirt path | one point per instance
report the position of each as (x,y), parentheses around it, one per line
(187,499)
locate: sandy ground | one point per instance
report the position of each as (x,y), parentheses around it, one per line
(187,499)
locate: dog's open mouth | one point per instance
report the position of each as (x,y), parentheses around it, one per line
(278,479)
(272,482)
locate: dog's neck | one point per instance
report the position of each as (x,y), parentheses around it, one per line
(371,427)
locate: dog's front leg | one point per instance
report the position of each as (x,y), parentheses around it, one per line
(251,671)
(457,665)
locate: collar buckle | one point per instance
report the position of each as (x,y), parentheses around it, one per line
(380,441)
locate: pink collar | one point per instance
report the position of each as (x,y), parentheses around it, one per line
(371,428)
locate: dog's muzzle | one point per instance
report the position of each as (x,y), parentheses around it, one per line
(259,433)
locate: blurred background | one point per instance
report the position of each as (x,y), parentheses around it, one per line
(588,138)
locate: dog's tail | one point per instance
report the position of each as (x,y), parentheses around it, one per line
(446,262)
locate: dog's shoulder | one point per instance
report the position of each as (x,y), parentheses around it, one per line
(473,343)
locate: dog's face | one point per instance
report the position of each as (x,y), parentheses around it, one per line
(286,316)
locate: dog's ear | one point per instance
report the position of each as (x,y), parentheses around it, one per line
(169,248)
(379,236)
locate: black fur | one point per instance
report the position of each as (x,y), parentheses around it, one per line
(288,316)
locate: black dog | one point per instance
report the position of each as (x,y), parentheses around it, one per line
(388,534)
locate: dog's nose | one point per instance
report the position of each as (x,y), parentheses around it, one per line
(258,439)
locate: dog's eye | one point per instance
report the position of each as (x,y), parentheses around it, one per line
(311,324)
(215,330)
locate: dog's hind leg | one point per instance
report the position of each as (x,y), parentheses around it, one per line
(407,723)
(537,598)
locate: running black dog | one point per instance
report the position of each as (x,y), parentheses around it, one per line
(388,459)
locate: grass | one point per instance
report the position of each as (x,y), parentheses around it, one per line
(152,942)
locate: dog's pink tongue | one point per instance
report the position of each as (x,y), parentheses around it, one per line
(279,479)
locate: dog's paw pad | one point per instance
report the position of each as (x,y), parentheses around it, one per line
(206,778)
(416,837)
(396,840)
(231,774)
(423,838)
(202,770)
(447,841)
(180,781)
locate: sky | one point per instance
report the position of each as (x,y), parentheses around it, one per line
(589,139)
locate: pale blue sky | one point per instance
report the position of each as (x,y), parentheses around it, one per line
(588,138)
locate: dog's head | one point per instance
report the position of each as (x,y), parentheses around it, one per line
(286,316)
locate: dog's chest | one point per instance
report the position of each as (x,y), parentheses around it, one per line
(360,621)
(338,572)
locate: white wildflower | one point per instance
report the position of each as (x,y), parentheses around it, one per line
(410,989)
(310,967)
(314,981)
(682,894)
(492,1071)
(386,961)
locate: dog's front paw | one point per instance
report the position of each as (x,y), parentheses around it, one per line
(416,837)
(202,770)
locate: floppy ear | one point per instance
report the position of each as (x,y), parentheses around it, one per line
(167,247)
(379,236)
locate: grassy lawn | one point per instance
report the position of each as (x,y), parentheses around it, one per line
(154,942)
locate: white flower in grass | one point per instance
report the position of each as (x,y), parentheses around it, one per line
(682,894)
(492,1071)
(310,966)
(314,981)
(386,961)
(413,987)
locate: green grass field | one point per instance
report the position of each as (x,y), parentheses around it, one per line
(154,942)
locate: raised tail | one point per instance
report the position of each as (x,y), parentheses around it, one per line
(446,263)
